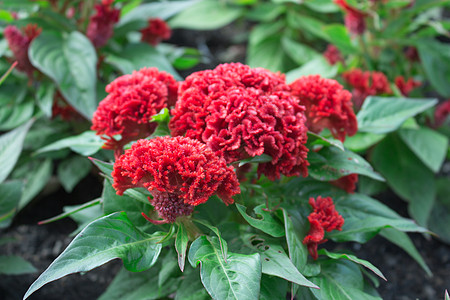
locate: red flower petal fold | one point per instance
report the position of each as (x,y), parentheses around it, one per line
(327,105)
(240,112)
(406,86)
(131,102)
(347,183)
(441,113)
(355,20)
(179,172)
(156,31)
(323,218)
(333,55)
(101,25)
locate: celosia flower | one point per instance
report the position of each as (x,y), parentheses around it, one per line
(240,112)
(100,27)
(323,218)
(368,83)
(412,54)
(131,102)
(355,20)
(156,31)
(406,87)
(441,113)
(20,42)
(333,55)
(347,183)
(327,105)
(179,172)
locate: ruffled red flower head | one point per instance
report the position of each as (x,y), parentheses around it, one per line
(156,31)
(131,102)
(333,55)
(327,104)
(179,172)
(355,20)
(368,83)
(323,218)
(240,112)
(347,183)
(20,42)
(407,86)
(100,27)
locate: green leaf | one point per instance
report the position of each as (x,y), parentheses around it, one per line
(440,215)
(354,259)
(447,297)
(222,242)
(161,117)
(71,211)
(105,168)
(315,139)
(263,158)
(85,144)
(322,6)
(273,287)
(15,265)
(306,24)
(35,180)
(18,114)
(267,54)
(71,61)
(403,241)
(406,175)
(10,194)
(338,35)
(435,57)
(206,15)
(362,141)
(181,243)
(238,278)
(331,163)
(103,240)
(72,170)
(386,114)
(299,53)
(191,287)
(267,223)
(11,144)
(429,146)
(317,66)
(265,12)
(275,261)
(44,98)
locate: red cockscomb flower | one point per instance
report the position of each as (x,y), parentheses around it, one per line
(406,87)
(441,113)
(20,42)
(347,183)
(355,20)
(240,112)
(156,31)
(132,101)
(100,27)
(368,83)
(327,105)
(333,55)
(179,172)
(323,218)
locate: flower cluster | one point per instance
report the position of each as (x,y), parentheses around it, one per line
(355,20)
(327,105)
(333,55)
(156,31)
(20,42)
(323,218)
(179,172)
(366,83)
(100,27)
(131,102)
(347,183)
(407,86)
(241,112)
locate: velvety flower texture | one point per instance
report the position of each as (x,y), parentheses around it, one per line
(347,183)
(327,105)
(20,42)
(333,55)
(355,20)
(100,27)
(406,86)
(156,31)
(179,172)
(240,112)
(366,83)
(323,218)
(132,101)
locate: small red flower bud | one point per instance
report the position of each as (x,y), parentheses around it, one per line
(347,183)
(100,27)
(156,31)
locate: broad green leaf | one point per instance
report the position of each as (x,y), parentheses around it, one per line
(72,170)
(18,114)
(191,287)
(362,141)
(11,144)
(10,194)
(403,241)
(338,35)
(317,66)
(386,114)
(322,6)
(447,297)
(71,61)
(299,53)
(15,265)
(35,180)
(331,163)
(406,175)
(429,146)
(85,144)
(275,261)
(222,242)
(83,216)
(265,12)
(354,259)
(71,212)
(238,278)
(263,158)
(434,57)
(267,54)
(267,223)
(105,168)
(272,287)
(168,268)
(181,243)
(440,215)
(161,117)
(103,240)
(306,24)
(206,15)
(44,98)
(315,139)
